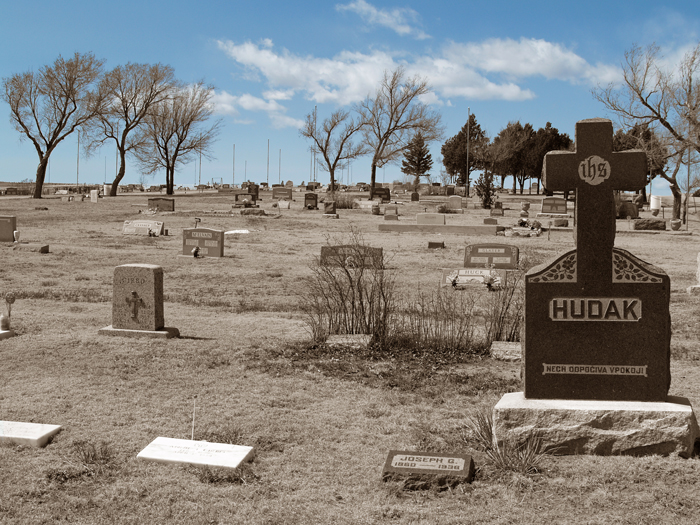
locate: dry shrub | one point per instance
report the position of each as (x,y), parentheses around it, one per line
(344,201)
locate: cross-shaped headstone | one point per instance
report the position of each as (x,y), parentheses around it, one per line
(594,172)
(135,302)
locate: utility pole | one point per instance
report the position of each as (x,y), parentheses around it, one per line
(77,167)
(268,163)
(279,175)
(468,119)
(233,178)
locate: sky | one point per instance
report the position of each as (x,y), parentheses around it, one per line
(272,62)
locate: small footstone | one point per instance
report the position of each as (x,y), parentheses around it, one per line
(575,426)
(353,341)
(428,470)
(489,220)
(436,245)
(171,450)
(30,434)
(650,224)
(561,223)
(6,334)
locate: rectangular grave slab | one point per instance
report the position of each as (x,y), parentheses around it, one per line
(496,212)
(424,470)
(597,322)
(202,453)
(143,227)
(352,256)
(501,256)
(554,205)
(210,242)
(434,245)
(29,434)
(8,225)
(391,209)
(161,204)
(137,297)
(430,219)
(458,277)
(282,193)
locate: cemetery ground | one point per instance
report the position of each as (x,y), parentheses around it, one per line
(321,421)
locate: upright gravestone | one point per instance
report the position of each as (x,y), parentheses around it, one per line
(282,193)
(94,195)
(415,197)
(597,324)
(554,206)
(137,303)
(454,202)
(202,242)
(310,201)
(501,256)
(8,225)
(383,193)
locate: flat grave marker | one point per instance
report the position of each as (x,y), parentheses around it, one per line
(161,204)
(143,227)
(208,242)
(422,470)
(461,277)
(201,453)
(282,193)
(430,219)
(29,434)
(8,226)
(501,256)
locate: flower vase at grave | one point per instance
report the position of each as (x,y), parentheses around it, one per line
(4,322)
(675,224)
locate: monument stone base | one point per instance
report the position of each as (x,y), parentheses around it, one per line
(6,334)
(167,332)
(632,428)
(693,290)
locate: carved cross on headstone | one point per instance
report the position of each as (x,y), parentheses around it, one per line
(594,172)
(135,302)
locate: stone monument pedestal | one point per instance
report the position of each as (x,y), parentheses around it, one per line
(574,426)
(166,332)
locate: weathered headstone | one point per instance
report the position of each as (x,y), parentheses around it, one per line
(490,220)
(310,201)
(202,453)
(628,209)
(161,204)
(650,224)
(352,256)
(415,197)
(137,302)
(454,202)
(143,227)
(28,434)
(430,218)
(8,226)
(383,193)
(208,242)
(496,212)
(501,256)
(434,245)
(329,208)
(695,289)
(597,317)
(428,470)
(391,209)
(282,193)
(289,184)
(450,190)
(94,195)
(554,205)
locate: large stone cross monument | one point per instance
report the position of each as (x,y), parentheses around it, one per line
(597,320)
(596,342)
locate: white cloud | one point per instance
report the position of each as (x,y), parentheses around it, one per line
(398,19)
(228,104)
(491,70)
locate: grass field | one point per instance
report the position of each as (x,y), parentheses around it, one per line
(322,422)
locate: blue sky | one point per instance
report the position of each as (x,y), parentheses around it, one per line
(271,62)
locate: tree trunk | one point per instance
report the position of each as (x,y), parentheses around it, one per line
(120,175)
(371,182)
(677,197)
(40,176)
(332,173)
(169,180)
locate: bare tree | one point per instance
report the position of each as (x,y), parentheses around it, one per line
(177,131)
(394,115)
(47,106)
(131,91)
(670,98)
(334,140)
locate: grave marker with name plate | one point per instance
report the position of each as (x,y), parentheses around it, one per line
(459,277)
(352,256)
(597,323)
(202,453)
(282,193)
(383,193)
(554,205)
(8,225)
(501,256)
(143,227)
(423,470)
(210,242)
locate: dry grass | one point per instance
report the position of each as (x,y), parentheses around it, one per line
(321,422)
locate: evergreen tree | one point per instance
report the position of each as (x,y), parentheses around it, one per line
(454,151)
(417,159)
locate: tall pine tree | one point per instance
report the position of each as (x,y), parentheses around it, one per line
(417,159)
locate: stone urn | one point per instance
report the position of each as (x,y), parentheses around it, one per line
(524,214)
(655,212)
(375,209)
(675,224)
(525,206)
(4,322)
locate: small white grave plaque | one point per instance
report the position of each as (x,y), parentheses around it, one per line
(31,434)
(172,450)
